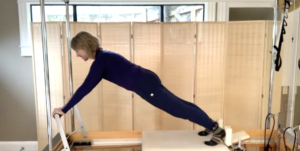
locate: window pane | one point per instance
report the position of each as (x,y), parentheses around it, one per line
(183,13)
(52,13)
(118,13)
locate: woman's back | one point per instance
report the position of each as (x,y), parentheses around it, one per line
(118,69)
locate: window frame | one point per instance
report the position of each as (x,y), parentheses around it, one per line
(161,8)
(31,14)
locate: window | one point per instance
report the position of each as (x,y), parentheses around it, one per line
(97,13)
(52,13)
(118,13)
(183,13)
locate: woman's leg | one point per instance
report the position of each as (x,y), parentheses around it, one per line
(151,89)
(201,133)
(186,102)
(163,99)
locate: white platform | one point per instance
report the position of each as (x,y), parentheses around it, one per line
(184,140)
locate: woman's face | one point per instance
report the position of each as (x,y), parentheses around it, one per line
(81,53)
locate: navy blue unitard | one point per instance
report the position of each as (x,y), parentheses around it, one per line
(117,69)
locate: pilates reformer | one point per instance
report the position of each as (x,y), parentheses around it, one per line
(89,140)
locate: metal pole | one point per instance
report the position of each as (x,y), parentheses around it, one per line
(70,60)
(277,138)
(274,52)
(298,137)
(62,133)
(75,108)
(46,72)
(80,121)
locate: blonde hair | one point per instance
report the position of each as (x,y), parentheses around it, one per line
(86,41)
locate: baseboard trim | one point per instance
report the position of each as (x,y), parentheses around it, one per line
(18,145)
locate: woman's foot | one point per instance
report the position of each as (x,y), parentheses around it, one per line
(218,135)
(204,133)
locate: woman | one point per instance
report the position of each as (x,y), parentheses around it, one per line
(115,68)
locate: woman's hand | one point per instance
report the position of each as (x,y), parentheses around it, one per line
(58,111)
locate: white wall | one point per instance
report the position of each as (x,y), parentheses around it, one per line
(298,53)
(22,146)
(289,65)
(288,51)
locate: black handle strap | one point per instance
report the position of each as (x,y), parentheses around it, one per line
(278,61)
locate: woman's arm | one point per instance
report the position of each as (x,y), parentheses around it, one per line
(92,79)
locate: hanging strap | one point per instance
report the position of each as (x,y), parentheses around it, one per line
(278,61)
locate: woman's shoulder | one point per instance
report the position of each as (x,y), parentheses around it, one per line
(105,53)
(111,54)
(108,52)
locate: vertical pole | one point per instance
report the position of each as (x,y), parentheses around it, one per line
(46,73)
(70,60)
(75,108)
(274,52)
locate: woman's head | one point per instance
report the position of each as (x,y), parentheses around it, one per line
(85,45)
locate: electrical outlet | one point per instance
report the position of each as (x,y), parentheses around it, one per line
(284,90)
